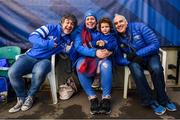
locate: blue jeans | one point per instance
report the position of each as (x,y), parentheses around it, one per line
(153,65)
(106,78)
(25,65)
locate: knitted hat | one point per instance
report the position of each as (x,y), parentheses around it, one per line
(90,13)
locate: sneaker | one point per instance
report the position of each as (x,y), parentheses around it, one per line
(17,107)
(96,82)
(94,109)
(170,106)
(65,92)
(158,109)
(27,104)
(105,106)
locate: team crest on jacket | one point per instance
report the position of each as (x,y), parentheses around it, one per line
(137,37)
(50,37)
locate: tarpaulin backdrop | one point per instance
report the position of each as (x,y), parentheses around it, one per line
(18,18)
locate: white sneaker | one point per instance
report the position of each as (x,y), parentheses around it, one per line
(27,104)
(17,107)
(66,92)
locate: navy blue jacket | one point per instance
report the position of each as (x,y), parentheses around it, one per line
(110,41)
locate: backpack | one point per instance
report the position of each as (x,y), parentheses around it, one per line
(4,62)
(3,89)
(3,80)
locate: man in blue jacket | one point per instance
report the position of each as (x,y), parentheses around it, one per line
(46,41)
(141,47)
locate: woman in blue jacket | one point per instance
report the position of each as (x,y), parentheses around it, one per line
(46,41)
(87,65)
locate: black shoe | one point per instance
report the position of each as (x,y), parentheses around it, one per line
(94,106)
(105,106)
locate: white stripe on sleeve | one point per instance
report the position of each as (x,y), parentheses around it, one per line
(45,29)
(41,32)
(34,33)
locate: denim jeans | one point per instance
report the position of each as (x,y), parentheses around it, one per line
(153,65)
(106,78)
(25,65)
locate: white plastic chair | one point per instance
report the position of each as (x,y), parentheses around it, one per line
(52,79)
(163,55)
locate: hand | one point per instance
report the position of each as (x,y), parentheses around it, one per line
(68,47)
(55,42)
(101,53)
(55,45)
(100,43)
(131,56)
(108,53)
(139,60)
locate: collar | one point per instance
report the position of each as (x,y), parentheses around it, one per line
(63,34)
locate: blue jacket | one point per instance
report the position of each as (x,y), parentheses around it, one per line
(140,39)
(84,50)
(110,41)
(43,39)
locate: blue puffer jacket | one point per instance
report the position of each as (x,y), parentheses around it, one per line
(139,39)
(43,39)
(84,50)
(109,39)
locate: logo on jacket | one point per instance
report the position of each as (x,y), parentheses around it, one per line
(137,37)
(50,37)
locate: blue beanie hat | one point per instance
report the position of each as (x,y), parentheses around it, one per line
(90,13)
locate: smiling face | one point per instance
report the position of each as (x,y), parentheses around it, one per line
(105,28)
(67,26)
(90,22)
(120,23)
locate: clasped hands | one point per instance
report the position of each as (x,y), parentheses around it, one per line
(102,53)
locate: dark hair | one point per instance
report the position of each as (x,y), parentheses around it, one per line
(70,17)
(105,20)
